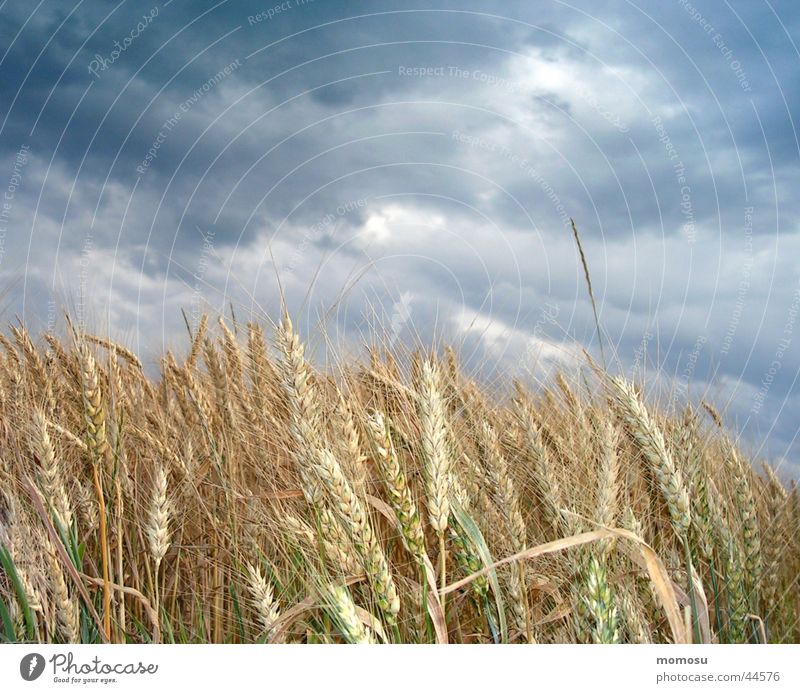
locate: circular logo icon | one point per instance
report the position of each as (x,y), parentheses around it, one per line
(31,666)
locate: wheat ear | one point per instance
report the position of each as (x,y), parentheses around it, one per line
(355,519)
(399,493)
(542,469)
(95,419)
(158,533)
(50,471)
(436,459)
(650,440)
(115,348)
(505,492)
(751,533)
(262,598)
(344,611)
(66,607)
(94,409)
(434,447)
(197,342)
(600,603)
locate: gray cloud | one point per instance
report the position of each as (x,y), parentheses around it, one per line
(436,153)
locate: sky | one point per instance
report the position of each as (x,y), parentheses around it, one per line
(412,167)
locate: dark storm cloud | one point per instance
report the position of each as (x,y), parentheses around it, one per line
(438,153)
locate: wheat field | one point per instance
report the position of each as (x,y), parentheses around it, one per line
(244,495)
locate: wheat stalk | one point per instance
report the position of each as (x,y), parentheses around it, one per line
(507,498)
(609,479)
